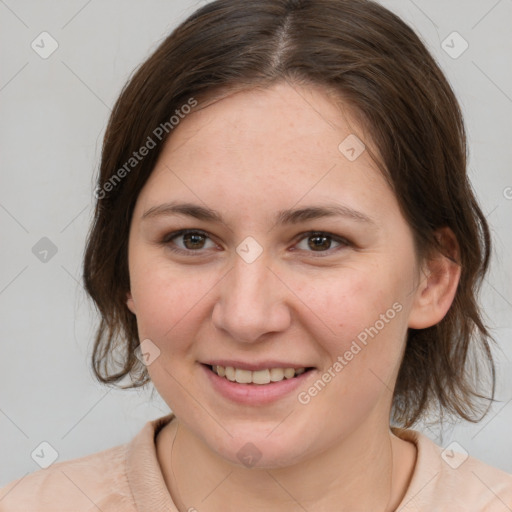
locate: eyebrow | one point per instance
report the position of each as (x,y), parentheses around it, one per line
(291,216)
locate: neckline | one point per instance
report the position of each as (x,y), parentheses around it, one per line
(150,491)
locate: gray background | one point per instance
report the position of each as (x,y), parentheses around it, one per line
(53,115)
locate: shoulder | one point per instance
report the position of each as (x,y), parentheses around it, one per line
(94,482)
(450,477)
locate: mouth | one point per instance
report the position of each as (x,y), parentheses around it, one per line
(261,377)
(255,384)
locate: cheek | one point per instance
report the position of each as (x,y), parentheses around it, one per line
(170,305)
(362,330)
(363,347)
(352,299)
(168,301)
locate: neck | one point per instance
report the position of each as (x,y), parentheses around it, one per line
(369,470)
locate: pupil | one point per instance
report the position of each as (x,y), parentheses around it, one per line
(195,240)
(324,242)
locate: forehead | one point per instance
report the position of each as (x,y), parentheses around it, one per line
(280,116)
(266,149)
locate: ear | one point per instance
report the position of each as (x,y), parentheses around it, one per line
(440,278)
(130,303)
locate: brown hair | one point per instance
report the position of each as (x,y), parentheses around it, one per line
(381,69)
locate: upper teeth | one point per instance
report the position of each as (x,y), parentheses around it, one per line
(257,377)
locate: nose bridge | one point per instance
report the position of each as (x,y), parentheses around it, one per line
(251,302)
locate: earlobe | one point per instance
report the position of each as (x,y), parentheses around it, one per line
(130,303)
(438,286)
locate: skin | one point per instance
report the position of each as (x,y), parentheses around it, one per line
(248,156)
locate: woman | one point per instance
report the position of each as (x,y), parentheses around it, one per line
(286,244)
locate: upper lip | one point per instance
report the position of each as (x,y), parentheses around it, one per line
(252,366)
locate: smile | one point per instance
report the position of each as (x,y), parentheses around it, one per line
(257,386)
(261,377)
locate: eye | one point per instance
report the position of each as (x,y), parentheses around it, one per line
(187,241)
(320,241)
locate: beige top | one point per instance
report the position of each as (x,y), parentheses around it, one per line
(128,478)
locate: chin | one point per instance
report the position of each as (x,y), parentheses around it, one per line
(253,450)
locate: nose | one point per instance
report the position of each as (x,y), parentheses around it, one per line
(252,302)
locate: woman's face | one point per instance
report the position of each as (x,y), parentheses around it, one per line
(299,257)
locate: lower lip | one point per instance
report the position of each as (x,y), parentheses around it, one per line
(254,394)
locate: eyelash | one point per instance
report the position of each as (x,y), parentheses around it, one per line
(167,239)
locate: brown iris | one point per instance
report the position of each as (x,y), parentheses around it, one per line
(196,240)
(321,242)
